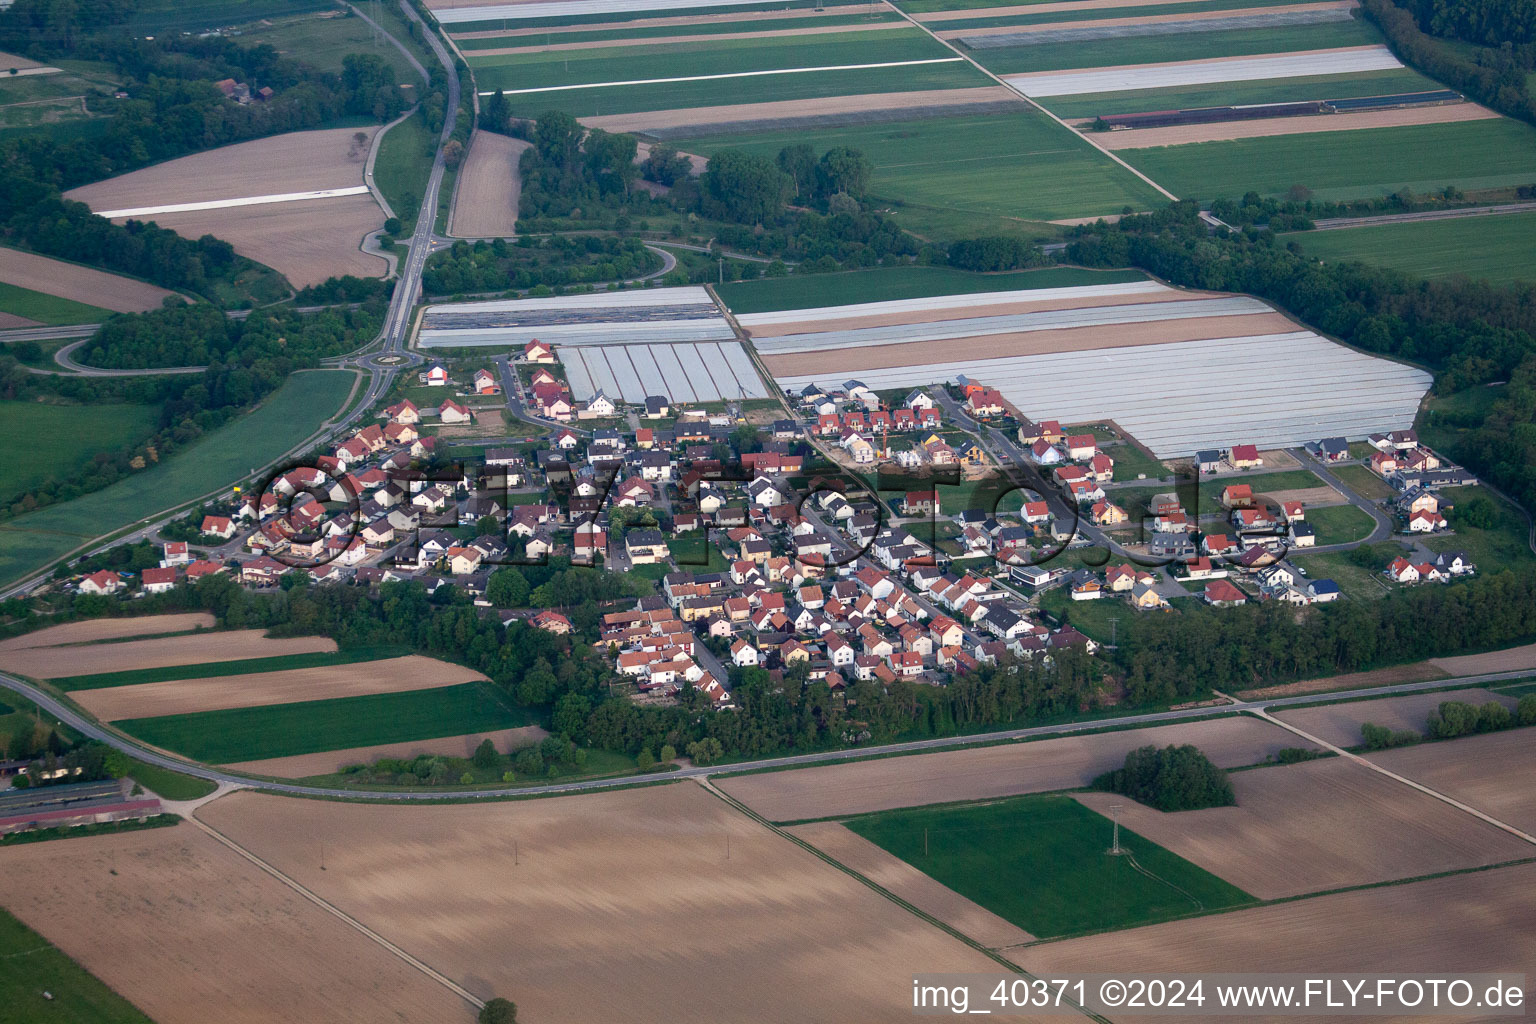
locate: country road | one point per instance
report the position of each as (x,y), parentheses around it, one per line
(1338,223)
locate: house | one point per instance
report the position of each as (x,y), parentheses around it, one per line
(1237,496)
(1208,460)
(102,582)
(599,406)
(1455,563)
(1107,513)
(1303,535)
(175,552)
(1101,468)
(984,401)
(645,547)
(463,561)
(202,567)
(1244,456)
(436,376)
(1383,463)
(453,412)
(1333,449)
(1223,594)
(1426,522)
(1322,591)
(538,352)
(1403,571)
(1144,597)
(158,581)
(1081,447)
(485,383)
(1043,453)
(743,654)
(918,399)
(1085,586)
(920,503)
(1171,545)
(907,664)
(404,413)
(221,527)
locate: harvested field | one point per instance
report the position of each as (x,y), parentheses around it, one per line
(1491,772)
(189,932)
(291,162)
(79,284)
(1339,724)
(604,906)
(1179,135)
(1309,496)
(1511,659)
(305,242)
(11,60)
(327,762)
(1317,826)
(1417,672)
(598,44)
(91,630)
(1032,343)
(485,198)
(1008,769)
(150,700)
(234,645)
(1470,922)
(827,107)
(907,882)
(9,320)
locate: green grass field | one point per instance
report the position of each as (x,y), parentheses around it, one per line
(1341,165)
(881,284)
(59,440)
(1049,13)
(1103,53)
(324,43)
(1131,461)
(283,730)
(1500,249)
(619,17)
(554,36)
(992,165)
(1363,482)
(48,309)
(1041,862)
(168,784)
(250,666)
(288,416)
(30,965)
(1505,543)
(404,165)
(1340,524)
(1359,583)
(1274,90)
(153,16)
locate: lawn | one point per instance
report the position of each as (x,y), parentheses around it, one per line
(403,166)
(1109,619)
(1357,582)
(324,43)
(283,730)
(287,417)
(1340,524)
(48,309)
(555,36)
(1341,165)
(758,89)
(250,666)
(1041,862)
(1363,482)
(692,554)
(60,440)
(1273,90)
(882,284)
(1504,543)
(1018,165)
(1184,46)
(1500,249)
(1131,461)
(168,784)
(33,966)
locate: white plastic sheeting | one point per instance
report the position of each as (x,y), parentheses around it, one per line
(1160,76)
(937,302)
(598,318)
(1271,390)
(683,372)
(568,8)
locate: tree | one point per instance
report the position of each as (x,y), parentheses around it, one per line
(706,751)
(1477,512)
(487,526)
(557,137)
(496,113)
(485,755)
(665,165)
(1171,779)
(745,188)
(843,169)
(645,761)
(453,154)
(1525,711)
(799,162)
(498,1011)
(528,761)
(611,160)
(539,684)
(668,753)
(507,588)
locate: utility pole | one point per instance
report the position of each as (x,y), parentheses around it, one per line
(1114,810)
(1114,624)
(925,842)
(722,270)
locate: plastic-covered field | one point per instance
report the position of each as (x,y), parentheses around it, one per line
(681,372)
(601,318)
(1243,69)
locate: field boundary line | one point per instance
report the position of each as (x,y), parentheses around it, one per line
(341,915)
(730,74)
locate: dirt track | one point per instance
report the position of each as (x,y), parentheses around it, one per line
(651,120)
(1029,343)
(215,693)
(89,630)
(127,655)
(189,932)
(1317,826)
(328,761)
(486,196)
(1179,135)
(618,906)
(1007,769)
(1339,724)
(81,284)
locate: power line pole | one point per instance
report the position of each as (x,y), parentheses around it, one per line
(1115,849)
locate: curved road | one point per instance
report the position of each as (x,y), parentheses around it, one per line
(91,728)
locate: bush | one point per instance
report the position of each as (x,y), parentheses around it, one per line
(1296,755)
(498,1011)
(485,755)
(1379,737)
(1171,779)
(1525,711)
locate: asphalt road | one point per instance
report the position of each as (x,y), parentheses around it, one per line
(93,730)
(1423,215)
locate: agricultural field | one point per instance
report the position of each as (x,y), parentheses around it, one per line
(486,194)
(224,456)
(23,307)
(324,39)
(1340,724)
(73,993)
(43,659)
(982,773)
(524,897)
(56,440)
(403,166)
(247,666)
(1500,249)
(1317,826)
(323,763)
(87,631)
(1490,772)
(151,16)
(84,289)
(1510,659)
(1041,863)
(885,284)
(184,928)
(56,103)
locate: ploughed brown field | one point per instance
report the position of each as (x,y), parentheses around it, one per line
(1040,766)
(128,655)
(80,284)
(1419,671)
(306,242)
(1309,496)
(190,932)
(1178,135)
(1339,724)
(1475,922)
(1511,659)
(291,162)
(326,762)
(615,906)
(11,60)
(485,198)
(1028,343)
(91,630)
(1317,826)
(906,882)
(1492,772)
(214,693)
(652,120)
